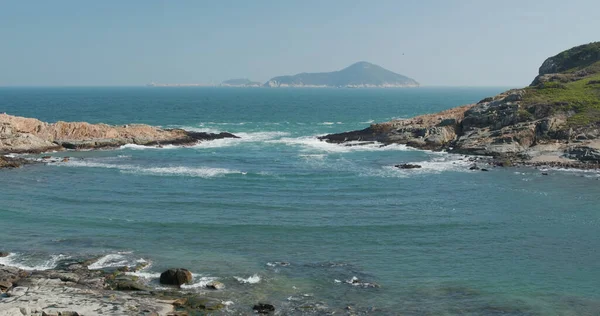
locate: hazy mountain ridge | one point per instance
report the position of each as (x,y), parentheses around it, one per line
(359,75)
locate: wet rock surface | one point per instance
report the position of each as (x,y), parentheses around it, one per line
(408,166)
(176,277)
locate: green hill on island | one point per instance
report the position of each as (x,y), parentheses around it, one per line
(359,75)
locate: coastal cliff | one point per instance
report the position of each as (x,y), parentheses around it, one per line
(29,135)
(555,120)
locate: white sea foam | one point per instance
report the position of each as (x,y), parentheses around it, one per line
(18,261)
(199,282)
(312,143)
(145,275)
(368,122)
(249,137)
(109,261)
(249,280)
(142,147)
(202,172)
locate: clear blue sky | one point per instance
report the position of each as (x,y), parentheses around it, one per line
(443,42)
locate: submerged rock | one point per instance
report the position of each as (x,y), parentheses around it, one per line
(408,166)
(203,303)
(263,308)
(215,285)
(176,277)
(128,283)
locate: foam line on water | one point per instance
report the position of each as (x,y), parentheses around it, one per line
(202,172)
(244,137)
(312,143)
(438,164)
(142,147)
(30,264)
(199,282)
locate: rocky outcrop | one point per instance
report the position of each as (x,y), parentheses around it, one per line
(28,135)
(432,131)
(11,162)
(176,277)
(556,120)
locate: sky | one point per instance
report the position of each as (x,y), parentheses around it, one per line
(436,42)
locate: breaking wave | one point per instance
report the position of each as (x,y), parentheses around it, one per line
(202,172)
(30,263)
(249,280)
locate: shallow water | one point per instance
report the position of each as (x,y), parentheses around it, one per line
(438,240)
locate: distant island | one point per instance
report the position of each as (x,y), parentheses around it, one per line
(359,75)
(240,83)
(154,84)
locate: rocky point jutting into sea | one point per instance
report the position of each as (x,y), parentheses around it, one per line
(554,121)
(74,288)
(29,135)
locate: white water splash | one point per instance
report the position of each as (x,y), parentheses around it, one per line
(109,261)
(199,282)
(312,143)
(250,280)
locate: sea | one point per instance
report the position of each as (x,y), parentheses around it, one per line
(310,227)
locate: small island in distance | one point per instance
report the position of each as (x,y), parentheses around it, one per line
(358,75)
(240,83)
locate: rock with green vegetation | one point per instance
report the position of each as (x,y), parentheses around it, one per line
(555,120)
(201,303)
(359,75)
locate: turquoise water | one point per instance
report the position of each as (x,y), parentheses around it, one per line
(438,240)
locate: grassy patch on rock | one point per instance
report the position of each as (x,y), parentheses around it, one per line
(581,97)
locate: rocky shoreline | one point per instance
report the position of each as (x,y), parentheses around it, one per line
(554,122)
(72,288)
(21,135)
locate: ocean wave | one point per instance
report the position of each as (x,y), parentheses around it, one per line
(119,259)
(30,263)
(368,122)
(331,123)
(202,172)
(438,164)
(244,138)
(199,282)
(142,147)
(249,280)
(313,143)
